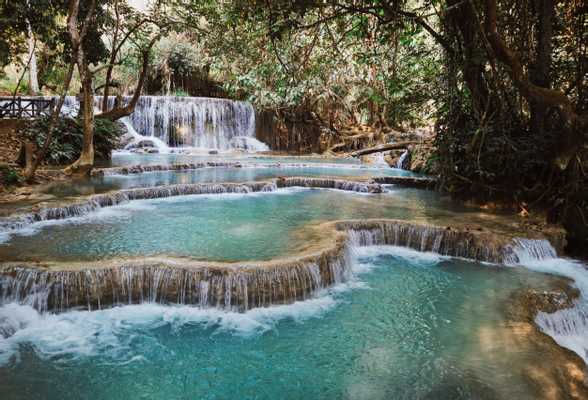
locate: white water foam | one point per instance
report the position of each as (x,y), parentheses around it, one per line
(108,333)
(410,255)
(137,137)
(568,327)
(400,162)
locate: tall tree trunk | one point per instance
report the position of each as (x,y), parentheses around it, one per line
(113,53)
(33,81)
(539,73)
(84,165)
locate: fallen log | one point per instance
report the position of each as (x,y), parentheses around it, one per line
(384,147)
(420,182)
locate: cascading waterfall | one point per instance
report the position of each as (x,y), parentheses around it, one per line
(401,160)
(463,243)
(569,327)
(232,287)
(235,286)
(196,122)
(324,183)
(136,138)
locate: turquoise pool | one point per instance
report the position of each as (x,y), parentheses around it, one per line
(248,173)
(227,227)
(408,326)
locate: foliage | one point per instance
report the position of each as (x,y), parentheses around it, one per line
(16,17)
(8,176)
(66,145)
(351,69)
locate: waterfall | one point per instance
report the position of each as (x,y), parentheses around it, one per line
(326,183)
(401,160)
(244,285)
(197,122)
(135,138)
(569,326)
(453,242)
(236,287)
(193,122)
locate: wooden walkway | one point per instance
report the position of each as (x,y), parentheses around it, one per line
(25,107)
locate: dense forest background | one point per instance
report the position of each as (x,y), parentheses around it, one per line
(503,83)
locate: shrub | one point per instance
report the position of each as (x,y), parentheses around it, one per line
(8,176)
(66,145)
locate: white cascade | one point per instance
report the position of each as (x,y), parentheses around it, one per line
(400,162)
(569,327)
(196,122)
(134,138)
(169,122)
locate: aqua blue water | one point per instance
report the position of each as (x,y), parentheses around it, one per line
(245,174)
(410,326)
(228,227)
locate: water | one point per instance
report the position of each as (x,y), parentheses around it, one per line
(136,137)
(569,327)
(402,159)
(197,122)
(248,173)
(409,325)
(255,226)
(186,122)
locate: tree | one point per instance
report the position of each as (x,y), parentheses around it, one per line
(87,23)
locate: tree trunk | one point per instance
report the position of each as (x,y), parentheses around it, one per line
(539,73)
(384,147)
(107,85)
(31,168)
(29,150)
(120,112)
(33,81)
(84,165)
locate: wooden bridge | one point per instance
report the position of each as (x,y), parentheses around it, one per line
(25,107)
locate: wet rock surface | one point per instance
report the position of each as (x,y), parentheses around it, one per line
(556,372)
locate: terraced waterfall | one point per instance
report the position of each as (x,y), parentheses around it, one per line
(235,266)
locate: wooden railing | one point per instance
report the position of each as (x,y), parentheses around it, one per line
(25,107)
